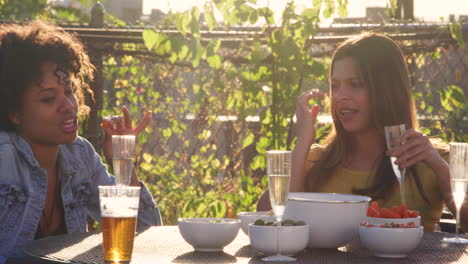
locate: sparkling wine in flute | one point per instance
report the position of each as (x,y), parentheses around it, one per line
(459,188)
(279,172)
(123,168)
(278,185)
(459,180)
(123,154)
(391,134)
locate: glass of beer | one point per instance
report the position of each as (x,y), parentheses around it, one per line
(119,210)
(123,155)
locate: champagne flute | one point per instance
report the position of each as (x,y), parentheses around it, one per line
(279,175)
(123,155)
(392,133)
(459,180)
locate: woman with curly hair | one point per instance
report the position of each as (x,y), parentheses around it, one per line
(49,176)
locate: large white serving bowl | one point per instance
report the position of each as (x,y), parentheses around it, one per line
(250,217)
(333,219)
(381,221)
(293,239)
(390,242)
(208,234)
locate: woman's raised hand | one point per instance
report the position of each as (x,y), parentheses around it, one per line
(121,126)
(306,117)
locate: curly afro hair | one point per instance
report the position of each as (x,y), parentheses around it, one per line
(24,48)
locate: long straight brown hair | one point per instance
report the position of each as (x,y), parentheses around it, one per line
(384,72)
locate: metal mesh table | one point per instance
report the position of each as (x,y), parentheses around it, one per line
(166,245)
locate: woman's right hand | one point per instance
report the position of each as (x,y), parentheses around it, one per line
(306,117)
(119,125)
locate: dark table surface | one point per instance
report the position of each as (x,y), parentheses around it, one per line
(166,245)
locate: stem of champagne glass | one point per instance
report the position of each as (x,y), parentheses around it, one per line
(457,220)
(402,193)
(278,219)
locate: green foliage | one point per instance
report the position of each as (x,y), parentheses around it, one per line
(279,66)
(21,10)
(457,34)
(279,69)
(31,9)
(444,115)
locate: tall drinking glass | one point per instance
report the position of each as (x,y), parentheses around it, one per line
(459,180)
(391,134)
(119,210)
(279,175)
(123,155)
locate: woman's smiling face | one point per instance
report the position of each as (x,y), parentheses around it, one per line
(49,109)
(350,96)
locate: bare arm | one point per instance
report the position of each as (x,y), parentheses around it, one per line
(305,138)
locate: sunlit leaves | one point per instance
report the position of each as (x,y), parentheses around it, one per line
(329,8)
(213,85)
(195,22)
(317,5)
(214,61)
(182,22)
(248,140)
(457,34)
(452,97)
(218,209)
(196,49)
(153,39)
(209,15)
(342,8)
(267,14)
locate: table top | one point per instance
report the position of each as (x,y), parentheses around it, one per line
(164,244)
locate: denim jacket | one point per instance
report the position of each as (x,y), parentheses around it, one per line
(23,187)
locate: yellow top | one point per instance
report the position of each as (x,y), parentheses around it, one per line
(344,180)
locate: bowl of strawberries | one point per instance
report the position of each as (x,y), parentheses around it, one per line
(396,214)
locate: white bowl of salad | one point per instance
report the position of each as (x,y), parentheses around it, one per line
(390,240)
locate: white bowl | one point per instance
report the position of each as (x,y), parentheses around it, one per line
(250,217)
(390,242)
(333,219)
(208,234)
(381,221)
(293,239)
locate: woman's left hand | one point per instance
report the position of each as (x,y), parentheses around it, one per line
(121,126)
(416,147)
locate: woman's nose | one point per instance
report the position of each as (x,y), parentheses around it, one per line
(68,103)
(342,93)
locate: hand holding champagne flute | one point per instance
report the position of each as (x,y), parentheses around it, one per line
(392,133)
(279,175)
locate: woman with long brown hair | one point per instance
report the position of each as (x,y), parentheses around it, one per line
(369,89)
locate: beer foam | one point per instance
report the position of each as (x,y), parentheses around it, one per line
(119,207)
